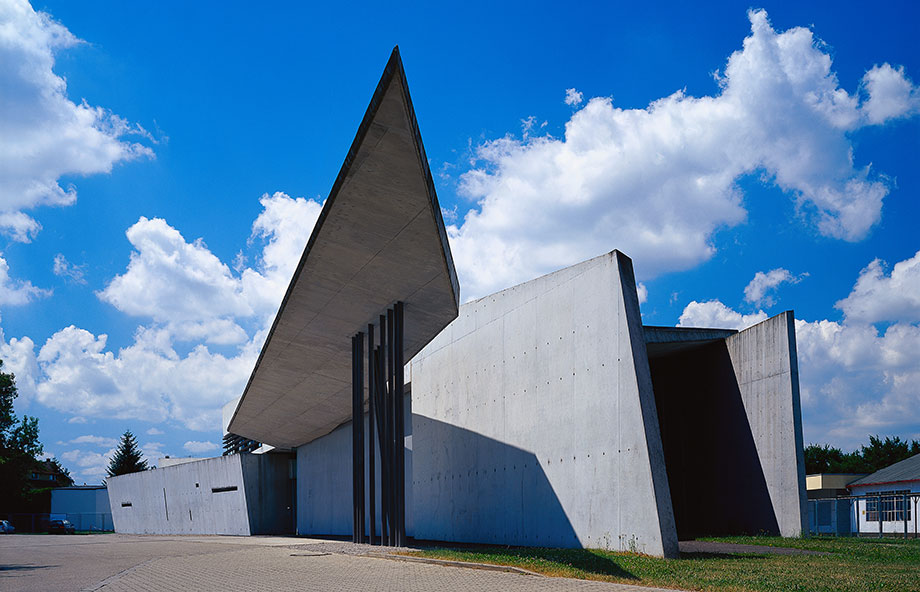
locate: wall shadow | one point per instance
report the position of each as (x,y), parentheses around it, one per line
(471,488)
(716,480)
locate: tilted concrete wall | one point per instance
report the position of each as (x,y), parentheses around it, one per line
(766,369)
(179,499)
(253,496)
(535,422)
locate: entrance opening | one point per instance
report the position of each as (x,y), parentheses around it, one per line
(715,476)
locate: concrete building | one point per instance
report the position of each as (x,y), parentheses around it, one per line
(545,414)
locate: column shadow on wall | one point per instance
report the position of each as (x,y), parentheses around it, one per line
(715,476)
(471,488)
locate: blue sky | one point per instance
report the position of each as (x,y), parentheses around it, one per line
(164,165)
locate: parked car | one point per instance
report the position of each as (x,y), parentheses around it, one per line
(61,527)
(6,527)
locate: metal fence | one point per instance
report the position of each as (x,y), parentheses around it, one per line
(87,521)
(877,514)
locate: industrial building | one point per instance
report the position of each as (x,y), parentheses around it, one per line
(545,414)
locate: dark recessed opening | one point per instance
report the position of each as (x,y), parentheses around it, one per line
(223,489)
(125,504)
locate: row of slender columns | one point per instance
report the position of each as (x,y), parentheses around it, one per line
(385,430)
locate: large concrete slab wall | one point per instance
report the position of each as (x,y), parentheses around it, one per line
(535,422)
(766,369)
(182,499)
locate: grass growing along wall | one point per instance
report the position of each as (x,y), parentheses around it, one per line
(850,564)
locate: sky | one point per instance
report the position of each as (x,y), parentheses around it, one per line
(162,166)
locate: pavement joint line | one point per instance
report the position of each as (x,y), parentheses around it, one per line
(114,578)
(462,564)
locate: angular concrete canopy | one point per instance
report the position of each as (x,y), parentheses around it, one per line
(379,239)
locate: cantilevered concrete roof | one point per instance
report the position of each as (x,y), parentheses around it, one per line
(379,239)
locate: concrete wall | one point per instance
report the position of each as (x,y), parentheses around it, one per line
(180,499)
(324,504)
(767,372)
(535,421)
(239,494)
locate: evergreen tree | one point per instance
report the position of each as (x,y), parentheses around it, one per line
(128,457)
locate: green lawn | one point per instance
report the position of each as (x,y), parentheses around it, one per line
(858,565)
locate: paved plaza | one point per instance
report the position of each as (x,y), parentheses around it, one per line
(123,563)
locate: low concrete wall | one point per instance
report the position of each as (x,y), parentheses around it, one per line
(535,420)
(240,494)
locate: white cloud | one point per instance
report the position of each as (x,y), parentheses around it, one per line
(891,94)
(716,315)
(658,182)
(756,291)
(190,296)
(76,419)
(855,379)
(95,440)
(43,134)
(196,447)
(880,297)
(573,98)
(67,270)
(16,292)
(87,464)
(154,432)
(642,292)
(185,288)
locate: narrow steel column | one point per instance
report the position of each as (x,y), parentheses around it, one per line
(386,476)
(354,442)
(371,444)
(358,387)
(399,384)
(391,425)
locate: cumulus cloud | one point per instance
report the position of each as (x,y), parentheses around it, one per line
(855,378)
(88,464)
(188,295)
(756,292)
(658,182)
(67,270)
(196,447)
(94,440)
(716,315)
(891,94)
(154,432)
(43,134)
(17,292)
(878,296)
(573,98)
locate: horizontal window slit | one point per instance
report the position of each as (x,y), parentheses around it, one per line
(223,489)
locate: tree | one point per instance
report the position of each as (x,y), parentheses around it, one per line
(19,448)
(128,457)
(867,459)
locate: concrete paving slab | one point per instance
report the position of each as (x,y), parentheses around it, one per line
(153,563)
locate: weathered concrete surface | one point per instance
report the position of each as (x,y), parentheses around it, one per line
(221,495)
(535,423)
(379,239)
(766,369)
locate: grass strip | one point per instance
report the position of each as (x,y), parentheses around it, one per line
(851,564)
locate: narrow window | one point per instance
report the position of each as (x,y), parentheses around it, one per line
(125,504)
(223,489)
